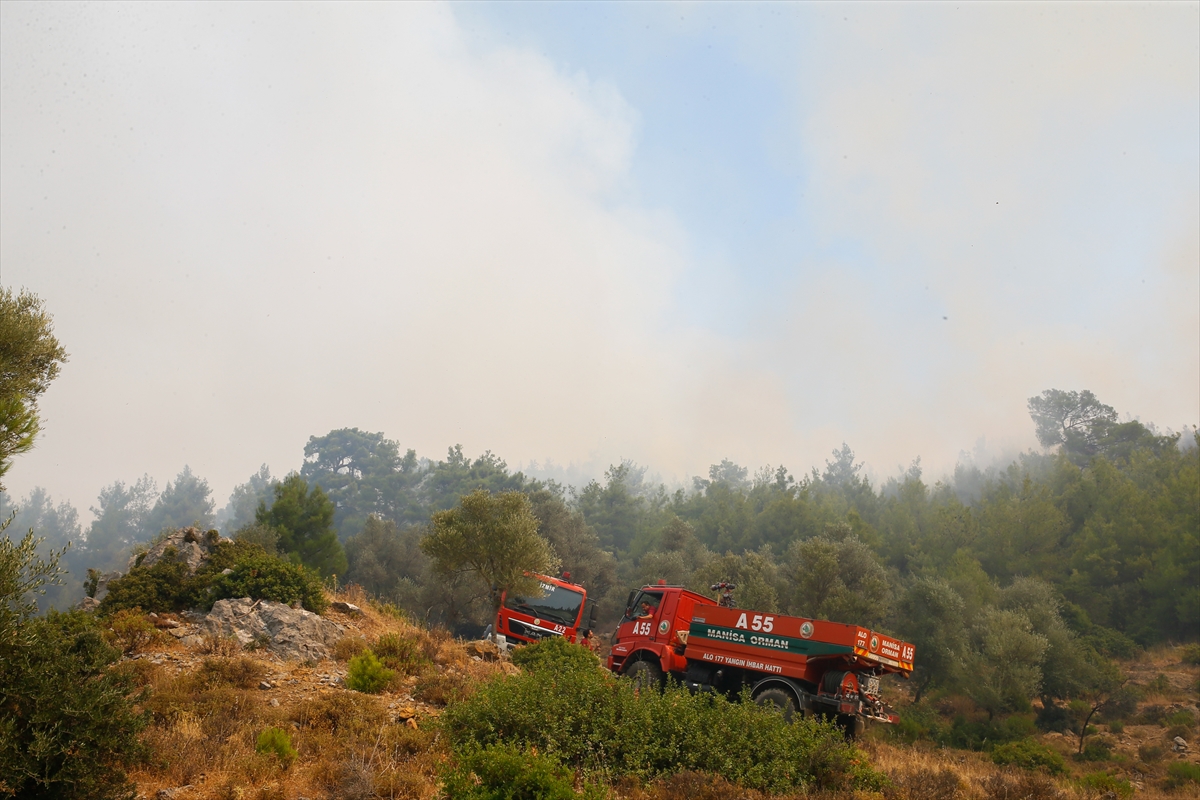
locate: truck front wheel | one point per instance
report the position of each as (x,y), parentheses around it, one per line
(777,698)
(645,675)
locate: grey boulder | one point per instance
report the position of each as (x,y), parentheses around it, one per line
(291,633)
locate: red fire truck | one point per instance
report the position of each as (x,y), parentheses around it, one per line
(809,666)
(561,608)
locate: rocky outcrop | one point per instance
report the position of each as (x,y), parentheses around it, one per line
(87,604)
(189,545)
(290,633)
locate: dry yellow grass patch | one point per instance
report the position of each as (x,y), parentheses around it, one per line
(208,711)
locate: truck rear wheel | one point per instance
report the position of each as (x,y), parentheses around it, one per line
(645,675)
(777,698)
(852,725)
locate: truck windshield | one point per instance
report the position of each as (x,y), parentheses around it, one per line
(557,604)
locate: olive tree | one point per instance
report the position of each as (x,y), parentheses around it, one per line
(493,536)
(29,360)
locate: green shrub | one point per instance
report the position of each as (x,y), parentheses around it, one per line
(1181,773)
(1116,726)
(591,721)
(1030,755)
(1183,717)
(1100,783)
(1190,654)
(554,653)
(505,772)
(916,722)
(277,742)
(1110,643)
(228,554)
(1095,750)
(68,726)
(970,734)
(401,653)
(166,586)
(161,587)
(264,577)
(365,674)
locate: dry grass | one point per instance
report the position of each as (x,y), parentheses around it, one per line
(219,645)
(208,710)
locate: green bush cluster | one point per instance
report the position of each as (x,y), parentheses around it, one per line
(166,586)
(1029,754)
(68,721)
(366,674)
(971,734)
(264,577)
(555,653)
(160,587)
(589,720)
(1095,750)
(276,742)
(1191,654)
(505,772)
(1182,773)
(923,722)
(1101,783)
(1179,723)
(68,726)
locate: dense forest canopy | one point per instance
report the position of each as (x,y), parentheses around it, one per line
(1109,516)
(1016,584)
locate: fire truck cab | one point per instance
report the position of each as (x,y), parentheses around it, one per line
(560,608)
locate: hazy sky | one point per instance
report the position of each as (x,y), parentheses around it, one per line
(673,233)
